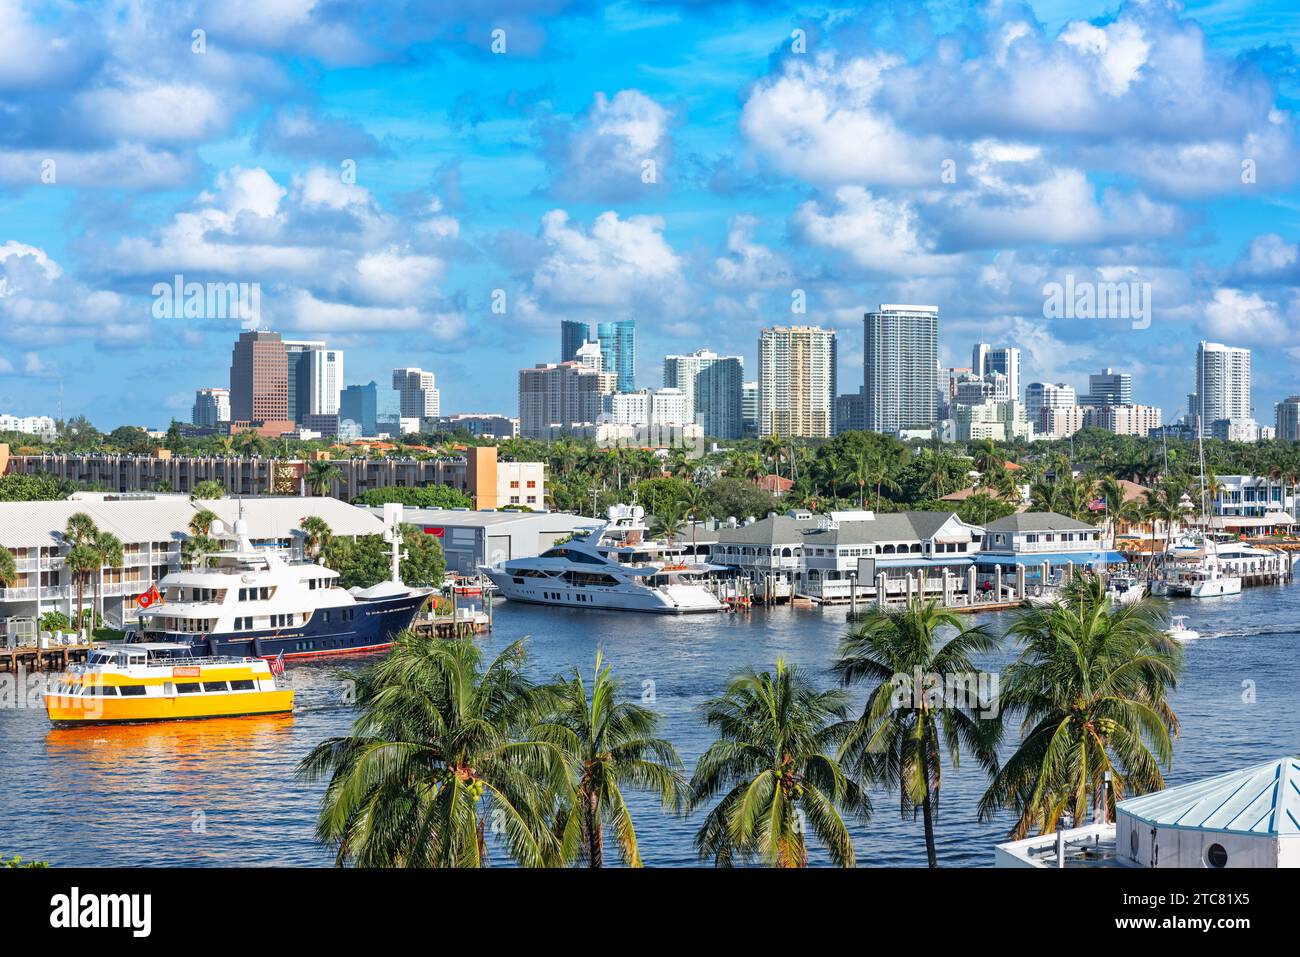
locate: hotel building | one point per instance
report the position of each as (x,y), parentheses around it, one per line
(796,376)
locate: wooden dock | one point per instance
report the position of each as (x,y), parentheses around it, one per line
(49,658)
(464,625)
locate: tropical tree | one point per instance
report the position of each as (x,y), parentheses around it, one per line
(109,554)
(8,569)
(317,535)
(202,521)
(320,475)
(609,745)
(900,738)
(208,489)
(432,758)
(1091,687)
(195,548)
(82,558)
(775,760)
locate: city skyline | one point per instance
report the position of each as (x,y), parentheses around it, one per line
(665,170)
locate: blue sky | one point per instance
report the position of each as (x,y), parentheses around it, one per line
(1105,143)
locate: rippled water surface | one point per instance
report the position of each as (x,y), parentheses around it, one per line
(223,792)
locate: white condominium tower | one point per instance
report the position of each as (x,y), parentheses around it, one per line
(901,367)
(211,406)
(1222,383)
(713,386)
(796,381)
(324,381)
(417,397)
(1047,395)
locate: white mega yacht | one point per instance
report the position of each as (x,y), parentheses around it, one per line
(611,566)
(252,602)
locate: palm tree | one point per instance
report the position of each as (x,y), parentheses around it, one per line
(775,760)
(320,475)
(109,554)
(1092,688)
(196,547)
(900,737)
(317,535)
(208,489)
(432,759)
(694,499)
(202,521)
(608,745)
(860,471)
(82,558)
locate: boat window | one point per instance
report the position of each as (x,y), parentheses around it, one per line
(241,685)
(215,686)
(131,691)
(189,687)
(1216,855)
(108,691)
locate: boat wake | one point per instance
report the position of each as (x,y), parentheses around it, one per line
(1265,631)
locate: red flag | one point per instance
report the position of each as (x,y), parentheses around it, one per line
(149,597)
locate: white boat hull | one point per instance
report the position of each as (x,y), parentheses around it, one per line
(1183,634)
(664,600)
(1216,587)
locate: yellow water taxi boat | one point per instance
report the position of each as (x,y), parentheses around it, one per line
(155,681)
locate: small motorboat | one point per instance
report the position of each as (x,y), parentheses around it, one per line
(1179,631)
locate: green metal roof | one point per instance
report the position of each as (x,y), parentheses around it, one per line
(1263,800)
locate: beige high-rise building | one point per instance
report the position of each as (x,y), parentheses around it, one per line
(1125,419)
(796,381)
(554,399)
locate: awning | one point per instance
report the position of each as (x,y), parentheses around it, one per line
(1055,558)
(923,562)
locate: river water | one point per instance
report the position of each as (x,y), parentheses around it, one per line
(223,792)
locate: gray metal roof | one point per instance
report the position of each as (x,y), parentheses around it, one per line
(779,530)
(1264,799)
(885,527)
(1038,522)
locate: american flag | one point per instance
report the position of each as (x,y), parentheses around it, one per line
(277,666)
(1097,505)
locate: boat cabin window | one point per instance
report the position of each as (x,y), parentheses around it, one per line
(131,691)
(214,686)
(241,685)
(189,687)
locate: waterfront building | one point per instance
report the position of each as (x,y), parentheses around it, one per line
(618,351)
(259,379)
(555,399)
(1031,538)
(152,529)
(749,406)
(478,424)
(1287,419)
(360,403)
(1245,818)
(572,337)
(1254,496)
(1222,384)
(900,367)
(714,390)
(417,396)
(797,381)
(211,408)
(472,539)
(1109,387)
(850,412)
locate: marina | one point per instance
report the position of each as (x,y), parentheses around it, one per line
(184,786)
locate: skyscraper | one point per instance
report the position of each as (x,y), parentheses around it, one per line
(1046,395)
(1109,387)
(1288,419)
(749,407)
(324,381)
(900,367)
(572,336)
(1222,384)
(712,385)
(211,407)
(259,378)
(417,398)
(796,381)
(618,348)
(360,403)
(298,368)
(987,361)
